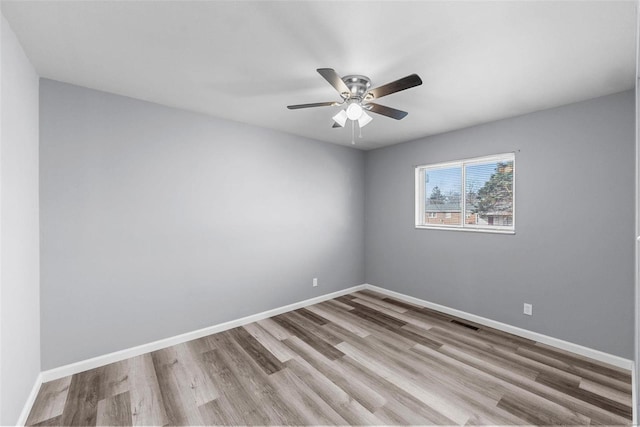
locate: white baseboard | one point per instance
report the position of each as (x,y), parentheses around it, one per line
(22,420)
(535,336)
(95,362)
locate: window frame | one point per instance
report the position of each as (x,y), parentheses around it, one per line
(420,196)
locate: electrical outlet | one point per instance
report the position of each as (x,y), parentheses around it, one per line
(528,309)
(315,282)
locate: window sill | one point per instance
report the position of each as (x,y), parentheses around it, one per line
(471,229)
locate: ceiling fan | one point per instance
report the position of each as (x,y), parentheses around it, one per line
(354,91)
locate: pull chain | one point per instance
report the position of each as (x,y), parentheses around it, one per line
(353,130)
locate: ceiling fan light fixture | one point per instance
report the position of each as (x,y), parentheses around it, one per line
(340,118)
(364,119)
(354,111)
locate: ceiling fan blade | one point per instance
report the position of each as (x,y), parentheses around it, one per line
(316,104)
(396,86)
(386,111)
(335,125)
(335,80)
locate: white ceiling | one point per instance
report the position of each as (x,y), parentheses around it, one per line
(245,61)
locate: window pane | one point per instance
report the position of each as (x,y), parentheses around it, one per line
(489,194)
(443,196)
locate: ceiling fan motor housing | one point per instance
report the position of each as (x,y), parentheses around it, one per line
(358,85)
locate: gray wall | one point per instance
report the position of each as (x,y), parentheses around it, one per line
(572,254)
(19,242)
(157,221)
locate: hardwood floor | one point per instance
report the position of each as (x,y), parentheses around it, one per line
(360,359)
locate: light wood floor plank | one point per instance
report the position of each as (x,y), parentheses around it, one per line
(404,316)
(551,399)
(255,382)
(390,417)
(115,410)
(217,413)
(336,317)
(115,379)
(309,337)
(344,405)
(603,390)
(202,388)
(481,351)
(579,360)
(404,403)
(466,392)
(388,333)
(532,368)
(271,343)
(365,300)
(175,386)
(310,315)
(310,408)
(567,366)
(51,422)
(355,388)
(260,355)
(315,328)
(81,406)
(405,382)
(274,329)
(51,400)
(147,407)
(338,304)
(236,406)
(201,345)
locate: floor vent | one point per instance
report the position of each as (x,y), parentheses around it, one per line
(466,325)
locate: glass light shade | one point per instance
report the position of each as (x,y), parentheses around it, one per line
(340,118)
(354,111)
(364,119)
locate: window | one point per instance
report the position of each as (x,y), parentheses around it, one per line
(474,194)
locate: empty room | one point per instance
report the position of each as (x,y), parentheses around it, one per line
(318,213)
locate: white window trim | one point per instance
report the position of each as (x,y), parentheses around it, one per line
(420,196)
